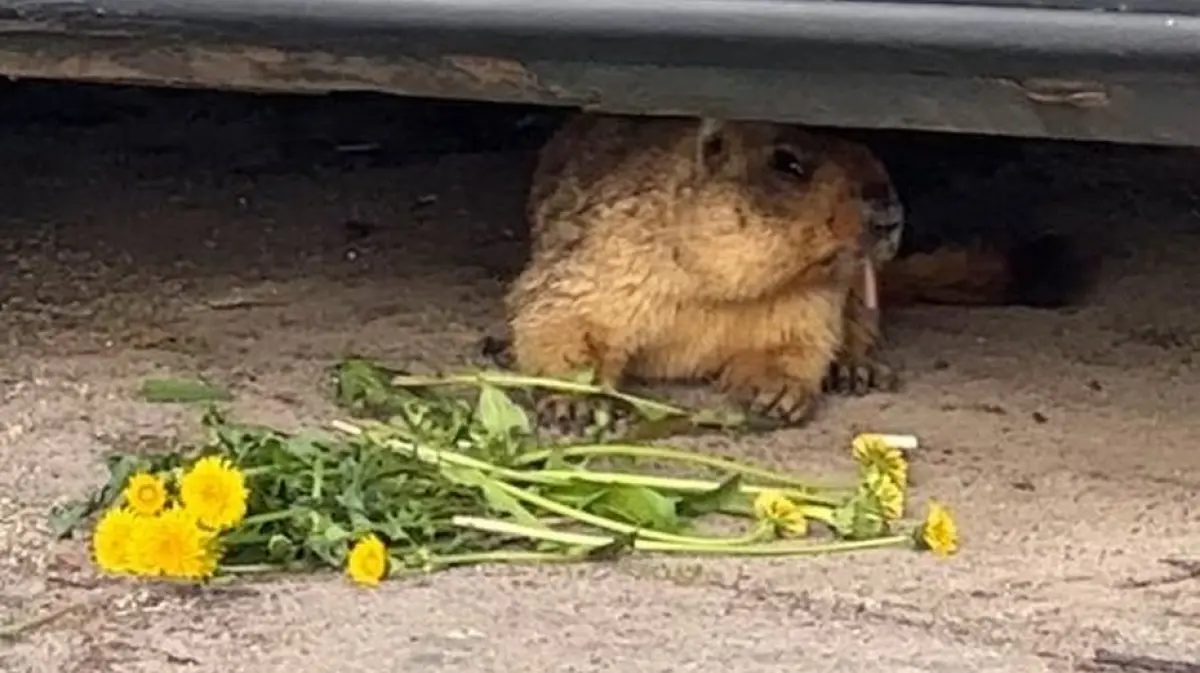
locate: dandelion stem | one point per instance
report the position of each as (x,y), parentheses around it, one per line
(504,557)
(564,477)
(758,549)
(435,456)
(252,568)
(608,524)
(445,456)
(799,489)
(268,517)
(508,380)
(822,514)
(789,548)
(508,528)
(241,538)
(663,453)
(665,483)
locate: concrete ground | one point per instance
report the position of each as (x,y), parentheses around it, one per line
(188,240)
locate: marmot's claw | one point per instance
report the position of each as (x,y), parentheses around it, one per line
(780,400)
(860,377)
(575,415)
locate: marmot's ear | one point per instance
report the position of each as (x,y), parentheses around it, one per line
(710,144)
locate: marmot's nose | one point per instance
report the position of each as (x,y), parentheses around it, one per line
(884,217)
(884,212)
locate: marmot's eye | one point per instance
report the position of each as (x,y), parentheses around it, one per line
(786,161)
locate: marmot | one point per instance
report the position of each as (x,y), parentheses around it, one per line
(676,249)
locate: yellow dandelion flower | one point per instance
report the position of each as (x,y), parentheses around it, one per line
(110,540)
(781,512)
(146,494)
(173,544)
(887,494)
(368,561)
(938,533)
(874,451)
(215,492)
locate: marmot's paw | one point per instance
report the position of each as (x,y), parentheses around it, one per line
(780,399)
(576,415)
(859,377)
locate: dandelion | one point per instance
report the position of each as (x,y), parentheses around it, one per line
(939,533)
(146,494)
(215,492)
(889,496)
(781,512)
(173,544)
(875,452)
(110,540)
(368,561)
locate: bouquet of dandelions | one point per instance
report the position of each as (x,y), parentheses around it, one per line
(170,524)
(421,481)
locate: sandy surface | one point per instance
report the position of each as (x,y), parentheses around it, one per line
(1066,441)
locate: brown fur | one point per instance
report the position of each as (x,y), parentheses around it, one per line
(1047,271)
(946,276)
(666,249)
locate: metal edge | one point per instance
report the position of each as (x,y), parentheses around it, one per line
(1045,95)
(728,24)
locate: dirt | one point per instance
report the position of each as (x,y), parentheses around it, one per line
(157,243)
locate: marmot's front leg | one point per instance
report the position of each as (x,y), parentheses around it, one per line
(560,349)
(783,383)
(761,381)
(776,368)
(859,367)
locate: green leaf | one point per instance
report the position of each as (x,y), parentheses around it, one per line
(647,408)
(496,498)
(503,502)
(213,417)
(394,528)
(66,519)
(365,388)
(637,505)
(721,498)
(499,415)
(578,494)
(332,532)
(719,418)
(280,548)
(351,499)
(657,425)
(327,539)
(318,480)
(620,546)
(556,460)
(361,524)
(859,519)
(182,390)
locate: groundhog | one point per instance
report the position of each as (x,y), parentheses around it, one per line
(685,249)
(568,194)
